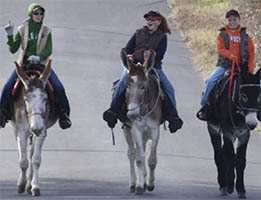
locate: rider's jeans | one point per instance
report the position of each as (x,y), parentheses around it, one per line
(166,86)
(59,91)
(211,82)
(6,92)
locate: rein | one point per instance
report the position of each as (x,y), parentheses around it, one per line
(158,97)
(234,62)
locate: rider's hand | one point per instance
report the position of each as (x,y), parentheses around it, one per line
(9,28)
(232,57)
(130,56)
(34,59)
(146,54)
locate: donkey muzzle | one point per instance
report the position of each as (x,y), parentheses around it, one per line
(251,120)
(133,112)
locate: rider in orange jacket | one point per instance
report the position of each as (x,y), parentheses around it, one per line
(233,43)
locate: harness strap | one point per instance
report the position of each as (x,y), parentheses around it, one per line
(234,62)
(159,93)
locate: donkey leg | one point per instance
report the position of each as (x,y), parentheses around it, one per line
(36,162)
(140,161)
(152,160)
(216,141)
(131,156)
(229,160)
(241,164)
(30,171)
(23,162)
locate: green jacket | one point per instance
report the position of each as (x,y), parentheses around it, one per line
(32,38)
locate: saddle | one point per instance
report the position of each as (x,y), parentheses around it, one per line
(218,90)
(216,94)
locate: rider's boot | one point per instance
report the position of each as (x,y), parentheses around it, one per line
(171,115)
(110,117)
(114,112)
(64,120)
(202,114)
(3,118)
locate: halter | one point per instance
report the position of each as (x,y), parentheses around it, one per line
(35,113)
(158,97)
(240,105)
(237,103)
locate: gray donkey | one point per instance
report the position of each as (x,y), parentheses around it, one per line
(32,116)
(144,111)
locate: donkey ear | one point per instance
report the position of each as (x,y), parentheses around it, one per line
(46,73)
(149,59)
(21,74)
(124,57)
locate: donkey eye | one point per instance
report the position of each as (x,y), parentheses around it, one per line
(244,97)
(142,87)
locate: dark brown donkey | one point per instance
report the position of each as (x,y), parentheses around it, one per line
(32,116)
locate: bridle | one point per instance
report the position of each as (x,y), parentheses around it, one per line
(240,108)
(143,99)
(29,115)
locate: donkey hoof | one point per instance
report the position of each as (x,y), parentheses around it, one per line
(139,190)
(132,188)
(21,188)
(29,189)
(223,191)
(230,189)
(150,187)
(144,187)
(35,192)
(242,195)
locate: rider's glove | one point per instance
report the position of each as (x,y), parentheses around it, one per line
(9,28)
(130,56)
(34,59)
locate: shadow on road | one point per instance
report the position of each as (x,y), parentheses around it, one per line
(52,188)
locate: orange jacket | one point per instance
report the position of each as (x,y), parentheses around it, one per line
(234,44)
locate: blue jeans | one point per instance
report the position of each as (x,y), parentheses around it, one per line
(166,86)
(211,82)
(59,92)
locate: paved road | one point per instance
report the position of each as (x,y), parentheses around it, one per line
(81,163)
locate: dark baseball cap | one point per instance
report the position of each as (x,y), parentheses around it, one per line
(232,12)
(152,13)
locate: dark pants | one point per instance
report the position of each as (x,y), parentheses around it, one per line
(59,92)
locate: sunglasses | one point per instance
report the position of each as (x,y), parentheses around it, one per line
(150,19)
(38,13)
